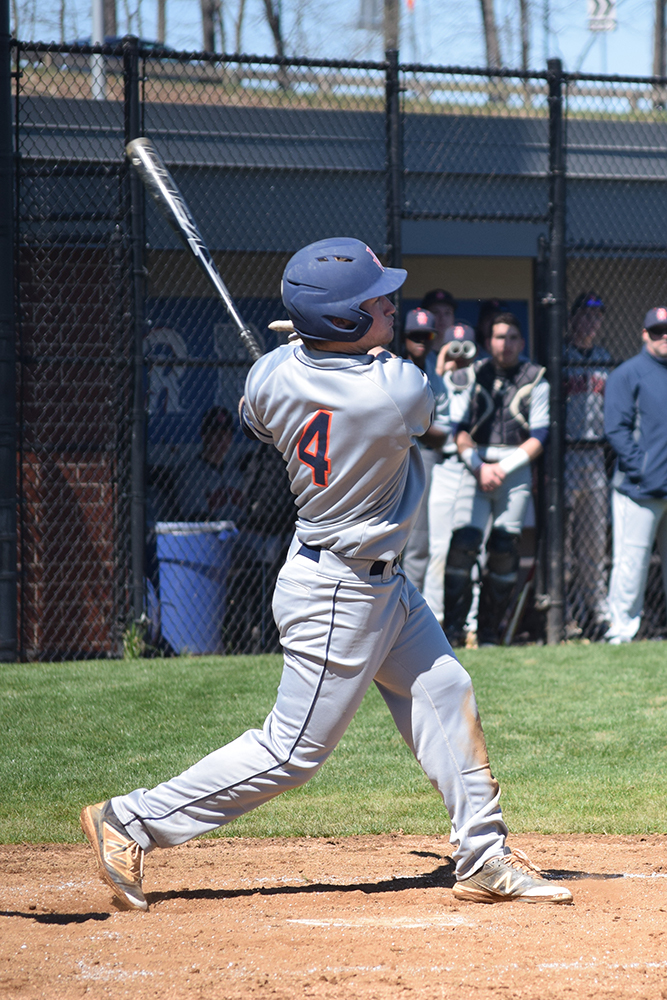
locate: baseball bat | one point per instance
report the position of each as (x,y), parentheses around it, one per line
(519,606)
(164,191)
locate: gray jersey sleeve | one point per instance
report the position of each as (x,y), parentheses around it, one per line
(538,416)
(460,403)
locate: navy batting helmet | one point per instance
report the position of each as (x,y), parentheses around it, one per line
(329,280)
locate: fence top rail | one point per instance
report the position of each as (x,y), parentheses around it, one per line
(487,71)
(582,84)
(153,52)
(647,81)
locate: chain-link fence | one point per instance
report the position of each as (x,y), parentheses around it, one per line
(147,522)
(616,271)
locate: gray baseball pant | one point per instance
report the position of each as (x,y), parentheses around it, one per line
(342,627)
(636,525)
(452,493)
(416,552)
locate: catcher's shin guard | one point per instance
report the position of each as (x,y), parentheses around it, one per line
(498,582)
(463,552)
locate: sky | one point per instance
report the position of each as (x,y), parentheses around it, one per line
(438,32)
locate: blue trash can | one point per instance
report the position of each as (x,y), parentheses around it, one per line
(194,559)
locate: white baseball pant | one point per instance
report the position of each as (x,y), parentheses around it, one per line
(416,552)
(450,501)
(636,525)
(342,628)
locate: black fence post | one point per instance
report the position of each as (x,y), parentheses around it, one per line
(137,235)
(556,324)
(7,355)
(394,169)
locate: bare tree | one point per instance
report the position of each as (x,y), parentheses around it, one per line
(659,39)
(524,20)
(238,27)
(61,20)
(490,34)
(208,24)
(273,19)
(220,21)
(110,20)
(161,21)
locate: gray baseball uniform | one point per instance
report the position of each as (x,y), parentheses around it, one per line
(415,556)
(452,488)
(346,427)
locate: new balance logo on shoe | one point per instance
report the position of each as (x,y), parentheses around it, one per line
(120,859)
(512,876)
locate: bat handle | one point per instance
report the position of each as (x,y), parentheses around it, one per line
(250,344)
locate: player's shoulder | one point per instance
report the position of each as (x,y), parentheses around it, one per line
(397,377)
(484,370)
(601,354)
(531,372)
(630,369)
(270,363)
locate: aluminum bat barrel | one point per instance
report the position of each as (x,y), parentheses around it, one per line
(165,193)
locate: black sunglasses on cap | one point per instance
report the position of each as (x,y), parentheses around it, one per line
(657,332)
(420,336)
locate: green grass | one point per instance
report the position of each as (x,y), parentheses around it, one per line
(577,736)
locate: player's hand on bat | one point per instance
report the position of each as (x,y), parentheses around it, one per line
(490,476)
(377,351)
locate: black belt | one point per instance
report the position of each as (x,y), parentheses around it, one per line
(377,569)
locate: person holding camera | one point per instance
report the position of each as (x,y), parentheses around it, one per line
(455,360)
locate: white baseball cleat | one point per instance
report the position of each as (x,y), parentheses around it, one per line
(120,859)
(511,876)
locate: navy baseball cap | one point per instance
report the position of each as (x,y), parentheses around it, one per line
(419,320)
(655,317)
(587,300)
(460,331)
(438,297)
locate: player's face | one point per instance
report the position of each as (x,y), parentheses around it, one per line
(444,318)
(381,331)
(585,327)
(418,345)
(216,445)
(505,345)
(656,341)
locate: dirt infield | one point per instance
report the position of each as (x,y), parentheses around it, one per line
(364,917)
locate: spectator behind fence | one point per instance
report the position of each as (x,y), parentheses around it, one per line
(586,366)
(503,430)
(456,359)
(634,423)
(419,333)
(442,305)
(488,310)
(208,484)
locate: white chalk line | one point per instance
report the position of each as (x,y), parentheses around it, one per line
(404,923)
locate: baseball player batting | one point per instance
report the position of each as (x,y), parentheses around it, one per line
(344,413)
